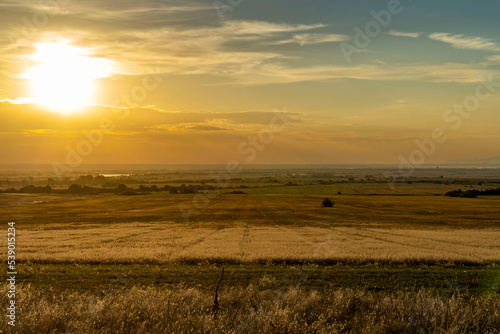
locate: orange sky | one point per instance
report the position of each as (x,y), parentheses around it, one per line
(187,83)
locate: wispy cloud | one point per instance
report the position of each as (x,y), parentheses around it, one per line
(245,52)
(266,28)
(494,59)
(417,72)
(218,51)
(17,117)
(466,42)
(230,49)
(126,10)
(207,128)
(222,49)
(307,39)
(404,34)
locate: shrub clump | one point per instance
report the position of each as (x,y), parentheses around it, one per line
(473,193)
(327,203)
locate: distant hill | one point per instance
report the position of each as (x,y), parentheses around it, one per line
(492,161)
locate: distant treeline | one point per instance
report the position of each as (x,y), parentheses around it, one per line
(101,180)
(120,189)
(473,193)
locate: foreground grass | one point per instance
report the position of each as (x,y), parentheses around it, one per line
(252,310)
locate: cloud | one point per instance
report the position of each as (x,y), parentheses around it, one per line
(223,51)
(265,28)
(206,128)
(404,34)
(179,38)
(494,59)
(231,48)
(307,39)
(465,42)
(127,10)
(186,127)
(447,72)
(19,118)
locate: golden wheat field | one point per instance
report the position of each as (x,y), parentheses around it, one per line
(164,242)
(246,228)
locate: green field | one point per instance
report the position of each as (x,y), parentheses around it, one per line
(445,280)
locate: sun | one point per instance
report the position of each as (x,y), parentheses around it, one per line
(63,76)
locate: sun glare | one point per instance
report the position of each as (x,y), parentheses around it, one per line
(63,77)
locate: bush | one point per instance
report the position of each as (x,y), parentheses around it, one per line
(473,193)
(327,203)
(75,189)
(122,188)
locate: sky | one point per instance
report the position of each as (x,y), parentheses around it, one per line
(251,81)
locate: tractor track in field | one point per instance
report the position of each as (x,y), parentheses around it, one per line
(401,243)
(204,214)
(207,218)
(200,214)
(455,243)
(259,209)
(244,242)
(92,244)
(196,242)
(284,224)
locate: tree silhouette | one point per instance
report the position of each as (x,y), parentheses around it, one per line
(327,203)
(75,189)
(121,188)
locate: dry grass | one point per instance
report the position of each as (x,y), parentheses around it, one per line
(250,310)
